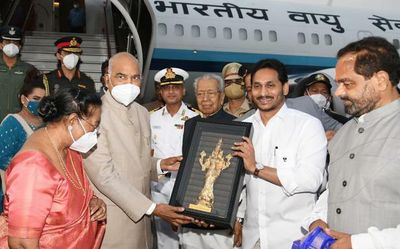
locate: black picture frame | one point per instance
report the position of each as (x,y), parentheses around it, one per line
(228,185)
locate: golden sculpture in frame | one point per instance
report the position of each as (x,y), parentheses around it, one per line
(214,165)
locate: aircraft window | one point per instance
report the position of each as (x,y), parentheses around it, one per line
(211,32)
(257,35)
(272,36)
(162,29)
(328,40)
(301,38)
(396,43)
(228,33)
(315,38)
(179,30)
(195,31)
(243,34)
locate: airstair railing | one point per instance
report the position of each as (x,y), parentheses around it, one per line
(106,29)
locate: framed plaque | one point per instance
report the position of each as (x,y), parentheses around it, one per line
(210,179)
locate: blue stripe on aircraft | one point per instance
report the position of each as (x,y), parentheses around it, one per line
(216,56)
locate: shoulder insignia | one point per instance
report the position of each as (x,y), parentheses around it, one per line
(194,109)
(46,84)
(158,108)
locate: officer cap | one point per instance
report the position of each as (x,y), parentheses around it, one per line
(317,78)
(69,44)
(171,75)
(231,71)
(11,33)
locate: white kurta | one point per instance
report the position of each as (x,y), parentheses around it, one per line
(295,144)
(166,141)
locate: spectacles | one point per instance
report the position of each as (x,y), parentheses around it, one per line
(238,81)
(91,125)
(210,93)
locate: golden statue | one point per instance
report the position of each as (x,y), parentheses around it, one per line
(214,165)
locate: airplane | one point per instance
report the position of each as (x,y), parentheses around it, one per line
(203,36)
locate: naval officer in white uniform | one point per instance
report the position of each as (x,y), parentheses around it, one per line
(167,126)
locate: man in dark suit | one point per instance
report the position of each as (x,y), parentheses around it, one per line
(209,91)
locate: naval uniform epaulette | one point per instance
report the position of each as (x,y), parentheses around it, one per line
(194,109)
(158,108)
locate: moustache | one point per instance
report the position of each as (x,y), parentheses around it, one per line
(264,97)
(346,98)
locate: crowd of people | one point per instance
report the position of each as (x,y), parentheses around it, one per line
(86,169)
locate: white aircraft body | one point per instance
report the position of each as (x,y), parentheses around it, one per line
(202,36)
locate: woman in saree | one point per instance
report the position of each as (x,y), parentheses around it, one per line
(49,202)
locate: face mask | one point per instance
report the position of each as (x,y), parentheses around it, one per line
(70,61)
(126,93)
(234,91)
(33,106)
(320,100)
(11,50)
(84,143)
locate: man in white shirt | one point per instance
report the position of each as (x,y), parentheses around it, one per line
(284,162)
(167,126)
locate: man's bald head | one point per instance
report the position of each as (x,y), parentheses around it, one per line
(122,56)
(123,68)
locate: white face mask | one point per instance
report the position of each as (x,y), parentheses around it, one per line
(85,142)
(320,100)
(11,50)
(70,61)
(126,93)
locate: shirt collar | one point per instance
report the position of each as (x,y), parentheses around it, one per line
(60,74)
(380,112)
(281,114)
(181,110)
(243,107)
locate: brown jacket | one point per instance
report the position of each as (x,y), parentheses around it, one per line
(121,169)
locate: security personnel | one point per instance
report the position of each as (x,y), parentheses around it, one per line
(318,87)
(67,73)
(12,70)
(235,90)
(167,126)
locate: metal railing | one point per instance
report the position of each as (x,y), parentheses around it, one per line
(106,29)
(27,16)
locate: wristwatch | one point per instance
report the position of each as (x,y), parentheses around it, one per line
(240,220)
(256,172)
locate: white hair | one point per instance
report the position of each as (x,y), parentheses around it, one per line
(119,55)
(210,76)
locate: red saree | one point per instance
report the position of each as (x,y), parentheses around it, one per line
(42,204)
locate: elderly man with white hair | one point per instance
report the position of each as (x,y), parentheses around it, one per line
(209,91)
(121,166)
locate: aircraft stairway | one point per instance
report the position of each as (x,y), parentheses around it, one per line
(39,50)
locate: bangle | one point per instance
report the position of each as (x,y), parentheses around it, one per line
(256,172)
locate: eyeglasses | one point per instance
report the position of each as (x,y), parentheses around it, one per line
(238,81)
(210,93)
(90,124)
